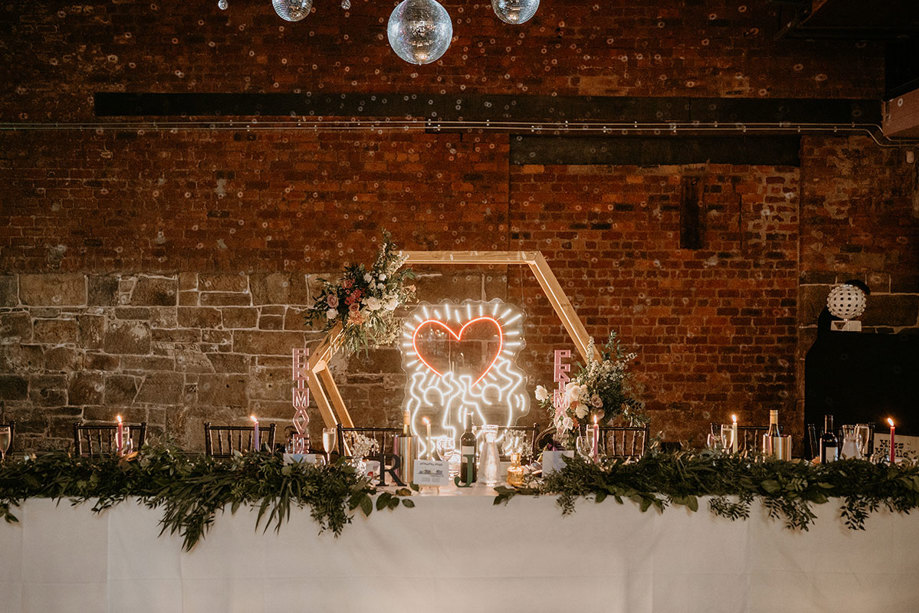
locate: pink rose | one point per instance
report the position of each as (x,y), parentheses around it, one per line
(347,283)
(332,301)
(354,308)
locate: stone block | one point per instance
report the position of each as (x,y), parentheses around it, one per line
(147,363)
(92,331)
(132,313)
(161,388)
(20,358)
(180,335)
(192,360)
(13,387)
(127,337)
(811,301)
(239,317)
(217,337)
(271,322)
(891,310)
(9,291)
(198,317)
(188,298)
(155,291)
(53,290)
(85,388)
(120,389)
(103,290)
(273,288)
(63,359)
(48,390)
(188,281)
(15,327)
(229,362)
(100,361)
(294,320)
(904,283)
(56,331)
(268,342)
(224,299)
(270,384)
(384,359)
(223,390)
(223,283)
(164,317)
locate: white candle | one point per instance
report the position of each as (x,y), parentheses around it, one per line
(255,438)
(119,436)
(595,444)
(734,434)
(427,442)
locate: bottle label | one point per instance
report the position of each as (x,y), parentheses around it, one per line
(467,450)
(829,453)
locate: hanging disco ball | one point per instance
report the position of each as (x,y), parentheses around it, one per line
(515,11)
(419,31)
(846,301)
(292,10)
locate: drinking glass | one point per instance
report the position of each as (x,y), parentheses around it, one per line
(727,436)
(585,444)
(328,442)
(849,443)
(715,442)
(812,441)
(6,436)
(863,440)
(444,446)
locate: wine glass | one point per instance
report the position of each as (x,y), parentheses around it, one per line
(585,444)
(444,447)
(715,442)
(328,442)
(6,437)
(727,437)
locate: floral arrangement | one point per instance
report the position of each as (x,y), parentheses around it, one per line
(364,301)
(602,388)
(361,446)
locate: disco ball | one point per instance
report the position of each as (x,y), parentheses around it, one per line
(846,301)
(292,10)
(515,11)
(222,5)
(419,31)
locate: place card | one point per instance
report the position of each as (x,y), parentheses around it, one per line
(907,446)
(432,472)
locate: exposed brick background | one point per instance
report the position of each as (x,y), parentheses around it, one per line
(178,261)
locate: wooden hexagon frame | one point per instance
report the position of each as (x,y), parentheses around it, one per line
(319,377)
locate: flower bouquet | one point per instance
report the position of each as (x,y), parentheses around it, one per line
(364,301)
(602,388)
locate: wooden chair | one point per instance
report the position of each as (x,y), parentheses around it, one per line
(383,436)
(750,437)
(12,427)
(235,438)
(629,442)
(96,440)
(529,434)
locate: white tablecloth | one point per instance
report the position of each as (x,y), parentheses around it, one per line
(460,553)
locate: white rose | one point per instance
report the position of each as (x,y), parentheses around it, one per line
(392,304)
(373,304)
(331,314)
(382,277)
(572,392)
(567,424)
(581,411)
(542,394)
(368,278)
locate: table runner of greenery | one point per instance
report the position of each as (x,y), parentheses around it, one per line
(191,489)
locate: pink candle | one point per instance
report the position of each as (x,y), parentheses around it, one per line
(893,453)
(119,436)
(596,440)
(256,446)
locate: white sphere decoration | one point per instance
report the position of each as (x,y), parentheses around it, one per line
(420,31)
(222,5)
(514,11)
(292,10)
(846,301)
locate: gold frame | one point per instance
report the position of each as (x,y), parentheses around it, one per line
(319,377)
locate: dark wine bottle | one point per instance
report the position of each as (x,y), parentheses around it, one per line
(467,450)
(829,446)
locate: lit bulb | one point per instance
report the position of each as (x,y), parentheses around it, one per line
(222,5)
(346,4)
(515,11)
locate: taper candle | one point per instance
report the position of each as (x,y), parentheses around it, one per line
(893,453)
(119,436)
(427,441)
(595,444)
(256,446)
(734,434)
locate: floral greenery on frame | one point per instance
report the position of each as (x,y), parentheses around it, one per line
(364,301)
(191,490)
(602,387)
(788,490)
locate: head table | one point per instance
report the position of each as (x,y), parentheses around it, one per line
(458,552)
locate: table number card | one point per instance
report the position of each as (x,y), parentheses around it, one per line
(907,446)
(432,472)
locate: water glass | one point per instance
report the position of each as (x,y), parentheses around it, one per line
(863,440)
(6,437)
(329,436)
(727,436)
(585,444)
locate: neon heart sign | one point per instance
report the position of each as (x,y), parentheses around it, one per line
(460,358)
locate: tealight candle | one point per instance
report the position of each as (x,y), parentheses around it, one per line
(734,434)
(893,453)
(119,436)
(256,443)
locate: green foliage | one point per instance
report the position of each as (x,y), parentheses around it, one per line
(191,489)
(788,490)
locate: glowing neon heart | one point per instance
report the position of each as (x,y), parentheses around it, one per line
(457,337)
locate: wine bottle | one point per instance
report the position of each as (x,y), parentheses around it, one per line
(828,443)
(467,451)
(772,433)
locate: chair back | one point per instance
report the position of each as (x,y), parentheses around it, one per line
(528,433)
(96,440)
(750,437)
(383,436)
(222,441)
(629,442)
(12,426)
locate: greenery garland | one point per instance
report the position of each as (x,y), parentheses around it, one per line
(191,490)
(787,489)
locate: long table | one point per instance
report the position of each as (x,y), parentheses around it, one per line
(459,553)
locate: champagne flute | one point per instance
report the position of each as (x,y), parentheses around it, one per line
(328,442)
(727,437)
(6,437)
(585,444)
